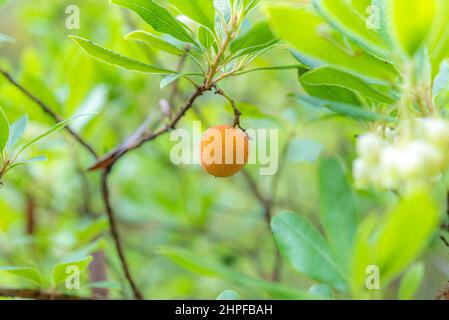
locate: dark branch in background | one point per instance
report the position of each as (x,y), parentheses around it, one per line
(48,111)
(37,295)
(115,234)
(104,184)
(268,204)
(98,267)
(30,214)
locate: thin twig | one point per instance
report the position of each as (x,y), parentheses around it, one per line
(48,111)
(267,204)
(444,241)
(264,201)
(115,234)
(237,112)
(139,137)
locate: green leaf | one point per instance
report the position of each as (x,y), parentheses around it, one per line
(257,38)
(342,16)
(93,103)
(17,129)
(209,269)
(28,273)
(112,285)
(61,271)
(411,33)
(423,68)
(396,240)
(274,68)
(330,76)
(116,59)
(304,150)
(157,17)
(92,230)
(333,93)
(223,8)
(46,93)
(29,161)
(380,13)
(250,4)
(438,40)
(206,38)
(327,92)
(411,281)
(344,109)
(320,48)
(337,210)
(87,249)
(364,250)
(306,250)
(322,290)
(228,295)
(441,82)
(169,79)
(201,11)
(4,130)
(55,128)
(404,233)
(154,42)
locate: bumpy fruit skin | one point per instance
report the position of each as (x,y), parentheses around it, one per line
(232,142)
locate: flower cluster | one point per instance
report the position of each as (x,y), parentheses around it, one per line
(415,153)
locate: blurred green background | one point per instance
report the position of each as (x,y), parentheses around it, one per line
(158,204)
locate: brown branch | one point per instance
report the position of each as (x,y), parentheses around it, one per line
(445,226)
(264,201)
(115,234)
(237,112)
(30,214)
(267,204)
(140,137)
(48,111)
(444,241)
(137,139)
(38,295)
(443,294)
